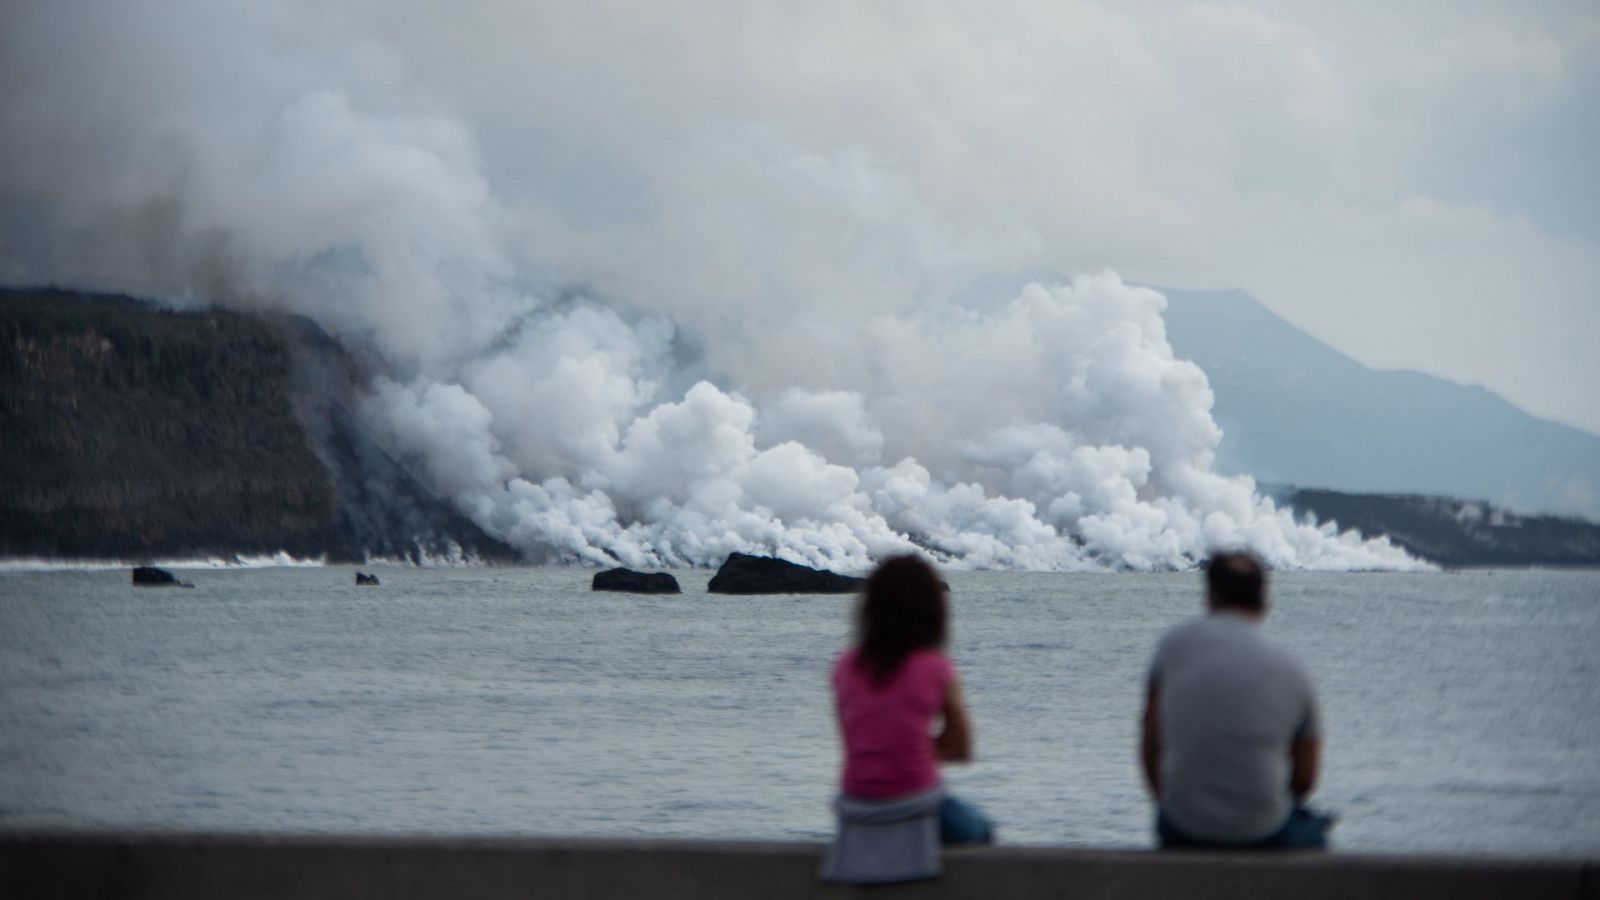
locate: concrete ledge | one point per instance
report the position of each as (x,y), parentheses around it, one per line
(48,865)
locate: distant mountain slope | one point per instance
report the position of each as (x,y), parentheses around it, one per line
(1295,411)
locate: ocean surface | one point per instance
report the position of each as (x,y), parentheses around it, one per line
(1462,710)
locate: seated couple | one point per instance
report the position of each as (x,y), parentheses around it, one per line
(1229,742)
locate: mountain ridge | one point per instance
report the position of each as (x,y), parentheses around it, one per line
(1294,410)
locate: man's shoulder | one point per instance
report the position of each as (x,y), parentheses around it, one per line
(1223,634)
(1177,639)
(1269,656)
(1183,629)
(1201,629)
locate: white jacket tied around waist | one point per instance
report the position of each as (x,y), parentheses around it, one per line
(880,841)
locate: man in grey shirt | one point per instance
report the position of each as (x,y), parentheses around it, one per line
(1231,738)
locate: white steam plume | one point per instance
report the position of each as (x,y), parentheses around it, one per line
(1056,431)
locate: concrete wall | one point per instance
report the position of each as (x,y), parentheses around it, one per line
(44,866)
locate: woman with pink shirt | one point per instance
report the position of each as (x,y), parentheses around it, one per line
(890,688)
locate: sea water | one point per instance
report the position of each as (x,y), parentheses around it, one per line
(1462,710)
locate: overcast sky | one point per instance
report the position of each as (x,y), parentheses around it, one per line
(1415,183)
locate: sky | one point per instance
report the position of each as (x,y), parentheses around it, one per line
(766,197)
(1417,184)
(1414,183)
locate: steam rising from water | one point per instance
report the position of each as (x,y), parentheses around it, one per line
(1053,431)
(1056,433)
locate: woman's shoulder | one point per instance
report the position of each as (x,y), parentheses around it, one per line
(924,664)
(847,659)
(932,661)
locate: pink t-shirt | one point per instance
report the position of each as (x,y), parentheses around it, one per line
(888,744)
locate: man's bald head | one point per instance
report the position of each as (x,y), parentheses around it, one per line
(1236,581)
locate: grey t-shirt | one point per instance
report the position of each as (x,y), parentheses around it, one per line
(1230,705)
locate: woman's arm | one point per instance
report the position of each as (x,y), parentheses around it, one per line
(954,743)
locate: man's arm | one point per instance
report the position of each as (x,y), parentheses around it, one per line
(954,743)
(1305,761)
(1150,741)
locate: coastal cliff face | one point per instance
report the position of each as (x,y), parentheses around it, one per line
(132,432)
(1455,533)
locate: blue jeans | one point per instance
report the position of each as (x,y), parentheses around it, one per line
(961,822)
(1303,830)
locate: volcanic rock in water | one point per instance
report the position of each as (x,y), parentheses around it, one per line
(150,576)
(365,579)
(635,582)
(745,574)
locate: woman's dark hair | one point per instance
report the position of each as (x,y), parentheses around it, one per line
(902,609)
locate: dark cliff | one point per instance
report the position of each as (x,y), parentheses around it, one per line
(1452,532)
(129,431)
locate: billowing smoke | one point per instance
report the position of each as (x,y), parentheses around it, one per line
(585,412)
(1057,433)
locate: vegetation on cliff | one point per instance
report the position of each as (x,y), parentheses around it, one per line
(130,431)
(1456,532)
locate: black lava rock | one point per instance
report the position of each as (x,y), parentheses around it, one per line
(150,576)
(635,582)
(365,579)
(745,574)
